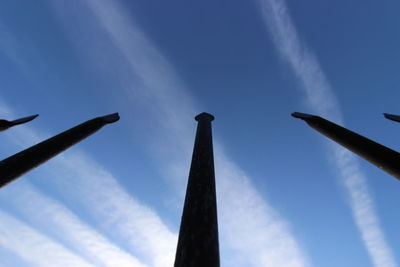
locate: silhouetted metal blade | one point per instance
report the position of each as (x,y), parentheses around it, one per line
(5,124)
(392,117)
(379,155)
(24,161)
(198,244)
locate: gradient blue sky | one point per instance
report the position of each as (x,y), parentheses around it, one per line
(286,195)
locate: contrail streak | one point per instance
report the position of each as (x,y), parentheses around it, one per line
(139,229)
(171,108)
(321,99)
(35,247)
(64,225)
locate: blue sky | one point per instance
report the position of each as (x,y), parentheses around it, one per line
(286,195)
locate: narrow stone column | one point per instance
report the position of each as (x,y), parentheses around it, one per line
(198,244)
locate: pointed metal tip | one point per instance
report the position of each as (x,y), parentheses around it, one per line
(392,117)
(110,118)
(204,116)
(33,116)
(24,120)
(302,116)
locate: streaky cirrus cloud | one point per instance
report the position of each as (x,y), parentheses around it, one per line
(138,227)
(150,78)
(63,225)
(249,224)
(139,230)
(34,247)
(320,98)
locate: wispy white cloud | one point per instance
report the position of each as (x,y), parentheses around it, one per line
(137,227)
(62,224)
(35,247)
(321,99)
(122,217)
(249,224)
(10,49)
(8,44)
(303,62)
(250,228)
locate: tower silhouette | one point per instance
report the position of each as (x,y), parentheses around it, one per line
(198,244)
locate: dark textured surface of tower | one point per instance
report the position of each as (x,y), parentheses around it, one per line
(198,244)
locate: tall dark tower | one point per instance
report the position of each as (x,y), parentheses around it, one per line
(198,235)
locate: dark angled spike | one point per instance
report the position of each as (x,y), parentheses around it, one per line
(379,155)
(5,124)
(392,117)
(198,244)
(24,161)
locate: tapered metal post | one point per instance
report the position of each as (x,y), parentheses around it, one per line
(5,124)
(379,155)
(198,244)
(24,161)
(392,117)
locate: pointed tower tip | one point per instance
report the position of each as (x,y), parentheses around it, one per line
(392,117)
(204,116)
(110,118)
(24,120)
(302,116)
